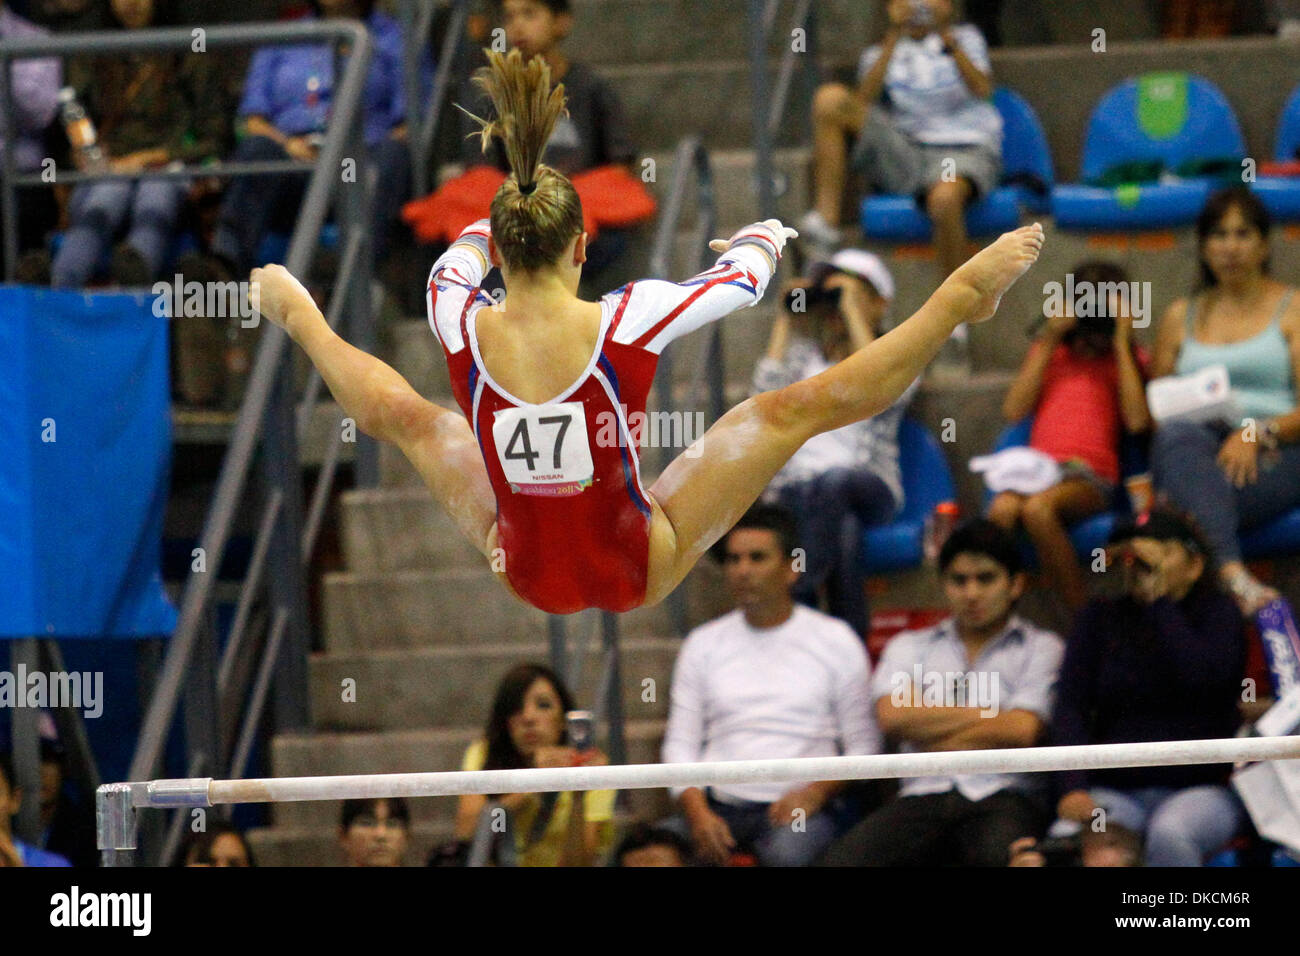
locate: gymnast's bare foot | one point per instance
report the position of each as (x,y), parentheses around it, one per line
(995,268)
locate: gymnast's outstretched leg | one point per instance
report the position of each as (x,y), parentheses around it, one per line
(700,497)
(436,440)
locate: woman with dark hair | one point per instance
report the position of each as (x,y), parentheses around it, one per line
(1164,661)
(1082,380)
(526,728)
(1234,475)
(221,844)
(542,470)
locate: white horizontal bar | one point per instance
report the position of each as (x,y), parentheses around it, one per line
(638,776)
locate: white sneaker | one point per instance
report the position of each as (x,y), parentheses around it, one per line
(819,235)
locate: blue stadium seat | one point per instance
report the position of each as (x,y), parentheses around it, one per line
(1026,159)
(1151,125)
(1279,538)
(927,481)
(1026,176)
(1281,194)
(1093,532)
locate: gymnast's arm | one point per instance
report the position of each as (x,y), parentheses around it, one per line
(658,311)
(455,278)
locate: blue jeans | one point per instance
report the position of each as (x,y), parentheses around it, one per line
(773,846)
(254,204)
(832,509)
(97,211)
(1181,827)
(1183,466)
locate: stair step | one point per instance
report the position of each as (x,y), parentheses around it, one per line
(466,606)
(418,751)
(707,27)
(449,686)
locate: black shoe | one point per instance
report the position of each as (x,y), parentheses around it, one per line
(128,267)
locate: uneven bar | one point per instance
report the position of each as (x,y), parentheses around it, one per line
(640,776)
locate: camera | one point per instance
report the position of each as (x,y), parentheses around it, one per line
(1058,851)
(814,297)
(581,727)
(1092,325)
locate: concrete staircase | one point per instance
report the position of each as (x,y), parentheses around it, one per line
(416,620)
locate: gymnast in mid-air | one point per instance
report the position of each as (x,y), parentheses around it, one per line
(525,468)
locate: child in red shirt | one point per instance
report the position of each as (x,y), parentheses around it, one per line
(1082,379)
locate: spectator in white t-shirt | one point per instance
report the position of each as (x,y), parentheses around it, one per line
(923,126)
(769,680)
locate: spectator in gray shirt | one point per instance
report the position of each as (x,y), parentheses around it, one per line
(983,679)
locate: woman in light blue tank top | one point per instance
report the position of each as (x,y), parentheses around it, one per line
(1234,476)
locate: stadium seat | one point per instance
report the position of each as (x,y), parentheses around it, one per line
(1026,181)
(927,481)
(1026,159)
(1281,193)
(1143,131)
(1090,533)
(1278,538)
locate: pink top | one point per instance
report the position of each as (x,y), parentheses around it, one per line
(1078,414)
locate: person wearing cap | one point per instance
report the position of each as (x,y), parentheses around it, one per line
(847,479)
(1163,661)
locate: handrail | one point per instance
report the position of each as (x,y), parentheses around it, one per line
(768,110)
(417,20)
(267,408)
(690,157)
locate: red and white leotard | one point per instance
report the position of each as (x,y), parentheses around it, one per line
(573,519)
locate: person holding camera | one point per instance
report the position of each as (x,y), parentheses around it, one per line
(1163,661)
(923,122)
(1082,380)
(1114,846)
(841,481)
(528,727)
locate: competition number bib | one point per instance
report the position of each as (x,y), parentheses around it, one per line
(543,449)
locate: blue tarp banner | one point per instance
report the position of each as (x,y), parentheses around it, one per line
(85,455)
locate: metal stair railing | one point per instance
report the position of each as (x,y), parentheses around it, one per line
(768,111)
(417,23)
(214,695)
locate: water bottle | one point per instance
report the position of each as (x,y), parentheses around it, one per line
(938,525)
(81,132)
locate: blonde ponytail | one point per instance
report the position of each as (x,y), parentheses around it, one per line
(536,212)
